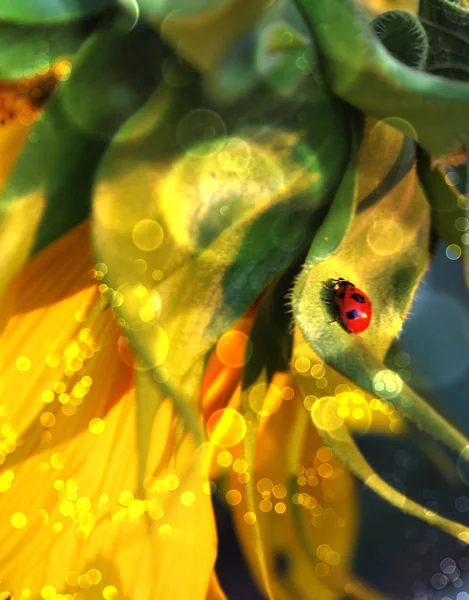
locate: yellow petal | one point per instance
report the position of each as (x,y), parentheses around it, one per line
(75,510)
(69,505)
(44,343)
(302,522)
(19,218)
(215,591)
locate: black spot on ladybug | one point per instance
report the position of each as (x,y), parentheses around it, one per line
(358,298)
(341,295)
(351,314)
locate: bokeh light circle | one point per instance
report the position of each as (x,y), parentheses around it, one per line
(226,427)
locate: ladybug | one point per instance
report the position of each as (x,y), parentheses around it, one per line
(352,307)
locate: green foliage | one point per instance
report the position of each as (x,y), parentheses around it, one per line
(364,74)
(41,12)
(76,126)
(447,26)
(403,36)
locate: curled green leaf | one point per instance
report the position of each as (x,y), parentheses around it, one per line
(403,36)
(362,72)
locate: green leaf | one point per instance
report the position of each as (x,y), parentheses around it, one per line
(26,50)
(346,450)
(384,253)
(282,57)
(59,161)
(39,12)
(447,26)
(449,211)
(281,543)
(181,8)
(209,227)
(362,72)
(403,36)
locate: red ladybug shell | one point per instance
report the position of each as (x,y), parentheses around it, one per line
(353,307)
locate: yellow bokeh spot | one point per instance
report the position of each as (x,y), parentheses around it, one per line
(265,505)
(94,576)
(279,490)
(118,514)
(47,419)
(172,481)
(59,387)
(67,508)
(48,592)
(23,363)
(83,503)
(385,237)
(233,497)
(249,518)
(57,527)
(324,454)
(325,470)
(68,409)
(42,517)
(126,497)
(165,531)
(243,477)
(321,569)
(240,465)
(147,235)
(280,508)
(64,398)
(187,498)
(110,592)
(96,426)
(47,396)
(387,384)
(226,427)
(57,460)
(84,582)
(264,485)
(19,520)
(52,359)
(225,458)
(325,415)
(318,371)
(287,392)
(302,364)
(233,348)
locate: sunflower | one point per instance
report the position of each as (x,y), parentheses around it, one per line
(167,340)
